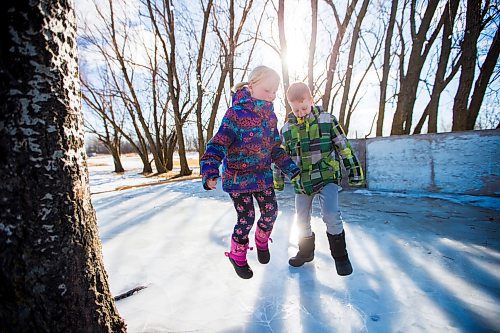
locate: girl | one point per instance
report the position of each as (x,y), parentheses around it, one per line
(247,143)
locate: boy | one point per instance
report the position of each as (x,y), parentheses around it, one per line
(315,141)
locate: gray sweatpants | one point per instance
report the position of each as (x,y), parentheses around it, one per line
(329,204)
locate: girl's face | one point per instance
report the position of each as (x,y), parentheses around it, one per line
(264,89)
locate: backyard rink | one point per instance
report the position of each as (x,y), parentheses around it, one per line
(421,264)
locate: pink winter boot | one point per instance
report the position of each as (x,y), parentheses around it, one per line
(261,241)
(238,257)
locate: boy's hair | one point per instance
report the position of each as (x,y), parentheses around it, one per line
(258,73)
(297,91)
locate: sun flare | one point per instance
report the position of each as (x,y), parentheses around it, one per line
(296,58)
(297,31)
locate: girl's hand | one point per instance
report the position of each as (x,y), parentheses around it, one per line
(212,183)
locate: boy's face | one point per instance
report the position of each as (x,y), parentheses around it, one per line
(264,89)
(302,106)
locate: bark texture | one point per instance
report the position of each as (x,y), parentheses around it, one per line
(52,277)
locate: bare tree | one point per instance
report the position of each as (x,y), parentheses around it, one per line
(164,23)
(199,83)
(283,51)
(165,136)
(133,95)
(477,18)
(229,44)
(489,119)
(420,47)
(468,64)
(373,51)
(482,81)
(440,81)
(52,276)
(117,88)
(101,103)
(312,45)
(386,68)
(334,53)
(350,64)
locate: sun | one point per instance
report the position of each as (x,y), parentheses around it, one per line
(297,32)
(296,57)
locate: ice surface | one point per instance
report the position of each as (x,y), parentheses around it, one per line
(421,264)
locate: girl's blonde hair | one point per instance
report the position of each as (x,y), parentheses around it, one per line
(259,73)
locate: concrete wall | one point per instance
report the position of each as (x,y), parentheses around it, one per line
(359,147)
(459,162)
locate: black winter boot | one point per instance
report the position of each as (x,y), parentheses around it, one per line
(339,253)
(306,252)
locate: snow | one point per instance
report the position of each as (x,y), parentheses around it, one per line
(103,179)
(421,264)
(479,201)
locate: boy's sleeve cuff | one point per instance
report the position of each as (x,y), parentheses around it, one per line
(357,182)
(294,172)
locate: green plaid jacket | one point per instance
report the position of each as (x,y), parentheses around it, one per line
(316,146)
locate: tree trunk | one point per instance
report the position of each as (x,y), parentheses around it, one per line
(482,82)
(386,68)
(142,148)
(117,144)
(312,45)
(468,65)
(170,145)
(115,152)
(283,52)
(350,64)
(185,171)
(175,92)
(160,163)
(439,81)
(199,83)
(407,95)
(216,103)
(232,44)
(334,53)
(146,164)
(52,276)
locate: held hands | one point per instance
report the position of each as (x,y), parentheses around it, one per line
(279,183)
(279,186)
(211,183)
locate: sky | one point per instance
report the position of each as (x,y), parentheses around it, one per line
(297,29)
(297,25)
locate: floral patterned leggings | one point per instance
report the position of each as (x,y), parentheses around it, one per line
(243,203)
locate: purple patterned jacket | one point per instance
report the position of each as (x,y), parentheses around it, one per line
(247,143)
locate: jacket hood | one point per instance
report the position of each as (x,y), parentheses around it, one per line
(244,98)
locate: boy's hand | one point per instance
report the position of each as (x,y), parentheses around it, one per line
(212,183)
